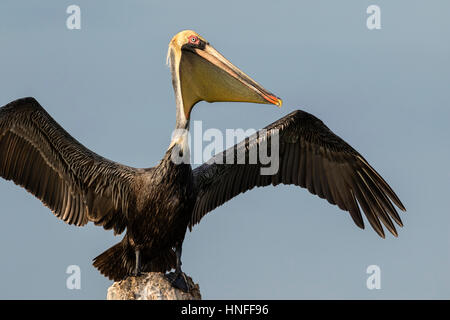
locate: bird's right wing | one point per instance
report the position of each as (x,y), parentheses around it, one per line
(74,182)
(310,156)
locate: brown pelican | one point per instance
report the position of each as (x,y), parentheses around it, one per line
(157,205)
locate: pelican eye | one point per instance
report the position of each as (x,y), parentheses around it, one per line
(193,39)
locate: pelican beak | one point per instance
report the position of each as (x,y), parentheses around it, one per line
(207,75)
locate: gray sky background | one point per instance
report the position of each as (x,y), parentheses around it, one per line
(386,92)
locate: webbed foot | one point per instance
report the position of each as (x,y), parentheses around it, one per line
(178,280)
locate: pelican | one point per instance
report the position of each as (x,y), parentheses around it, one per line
(157,205)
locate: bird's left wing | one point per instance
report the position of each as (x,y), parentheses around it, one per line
(77,184)
(310,156)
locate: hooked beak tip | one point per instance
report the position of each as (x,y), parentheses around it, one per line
(275,100)
(279,102)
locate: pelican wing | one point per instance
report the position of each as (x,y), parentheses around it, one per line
(74,182)
(310,156)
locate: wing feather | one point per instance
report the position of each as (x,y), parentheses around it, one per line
(74,182)
(310,156)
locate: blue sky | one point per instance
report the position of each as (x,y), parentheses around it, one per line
(386,92)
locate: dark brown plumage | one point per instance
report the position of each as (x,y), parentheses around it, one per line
(312,157)
(156,205)
(80,186)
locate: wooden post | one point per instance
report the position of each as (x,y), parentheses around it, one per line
(151,286)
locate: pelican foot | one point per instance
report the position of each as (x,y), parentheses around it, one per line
(136,274)
(178,280)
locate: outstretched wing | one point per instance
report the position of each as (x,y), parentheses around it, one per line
(74,182)
(310,156)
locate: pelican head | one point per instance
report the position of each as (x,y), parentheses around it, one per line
(201,73)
